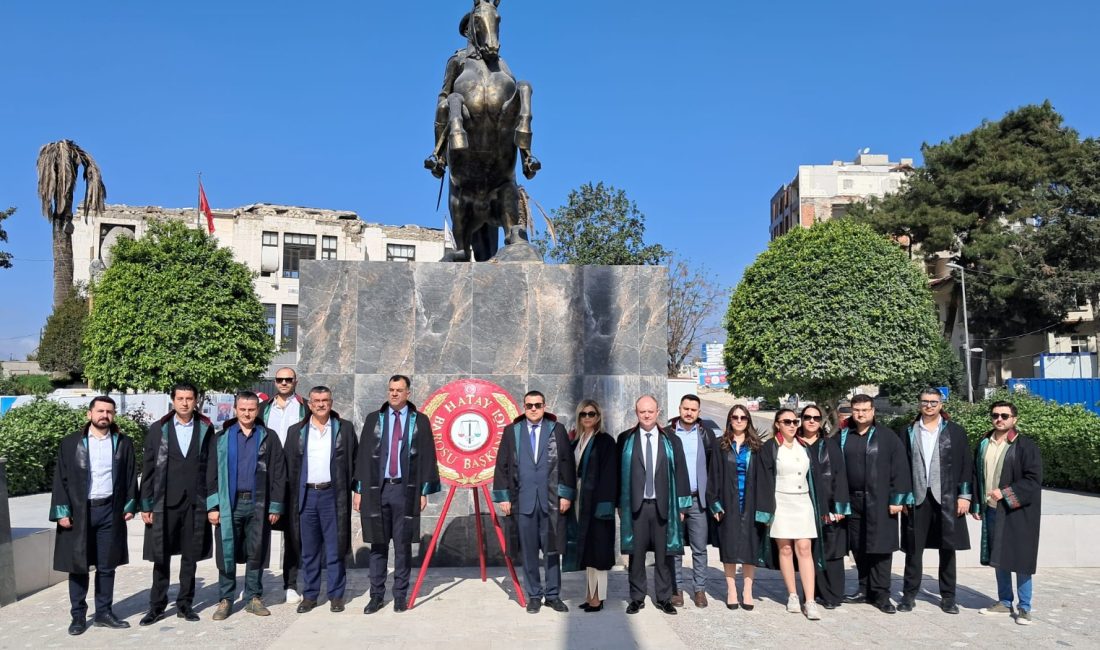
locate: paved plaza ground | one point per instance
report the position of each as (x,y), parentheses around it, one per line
(457,610)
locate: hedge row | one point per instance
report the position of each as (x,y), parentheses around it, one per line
(30,435)
(1068,435)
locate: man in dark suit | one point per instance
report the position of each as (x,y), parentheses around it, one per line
(173,501)
(536,480)
(320,459)
(650,509)
(395,472)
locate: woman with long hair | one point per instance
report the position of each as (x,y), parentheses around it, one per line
(830,478)
(730,500)
(591,544)
(785,502)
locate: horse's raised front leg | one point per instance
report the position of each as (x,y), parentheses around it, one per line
(457,139)
(523,136)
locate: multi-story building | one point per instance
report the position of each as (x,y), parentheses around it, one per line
(272,240)
(821,192)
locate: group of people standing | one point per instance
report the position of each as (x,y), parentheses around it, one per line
(284,463)
(794,495)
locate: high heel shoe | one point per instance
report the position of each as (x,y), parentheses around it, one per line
(748,607)
(731,605)
(589,608)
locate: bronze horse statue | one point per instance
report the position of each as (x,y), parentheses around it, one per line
(483,118)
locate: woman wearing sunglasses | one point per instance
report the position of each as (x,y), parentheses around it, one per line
(591,544)
(730,479)
(830,479)
(786,503)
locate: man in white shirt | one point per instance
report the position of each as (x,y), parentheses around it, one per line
(279,412)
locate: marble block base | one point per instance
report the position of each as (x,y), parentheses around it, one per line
(571,332)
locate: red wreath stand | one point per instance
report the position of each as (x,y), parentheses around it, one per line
(484,489)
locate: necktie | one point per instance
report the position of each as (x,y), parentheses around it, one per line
(534,442)
(395,445)
(650,488)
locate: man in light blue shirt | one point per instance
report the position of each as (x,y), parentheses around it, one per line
(698,443)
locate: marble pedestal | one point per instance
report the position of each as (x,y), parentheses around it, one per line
(570,332)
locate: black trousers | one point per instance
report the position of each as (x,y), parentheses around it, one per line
(534,535)
(649,535)
(928,527)
(873,568)
(393,529)
(829,584)
(179,531)
(100,535)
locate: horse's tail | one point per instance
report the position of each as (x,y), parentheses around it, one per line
(525,202)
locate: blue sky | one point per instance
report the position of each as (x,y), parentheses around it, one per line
(699,111)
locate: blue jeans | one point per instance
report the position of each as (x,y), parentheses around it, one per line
(1004,577)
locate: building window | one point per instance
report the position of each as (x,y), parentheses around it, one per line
(269,316)
(328,248)
(839,210)
(848,183)
(269,253)
(295,249)
(289,339)
(400,253)
(1078,344)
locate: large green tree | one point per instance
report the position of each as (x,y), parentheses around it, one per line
(826,309)
(174,306)
(1016,203)
(5,257)
(60,347)
(599,224)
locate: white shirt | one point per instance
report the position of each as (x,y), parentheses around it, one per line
(100,460)
(319,452)
(279,418)
(651,441)
(184,433)
(928,440)
(538,437)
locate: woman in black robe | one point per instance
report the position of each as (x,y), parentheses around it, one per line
(591,544)
(831,483)
(730,479)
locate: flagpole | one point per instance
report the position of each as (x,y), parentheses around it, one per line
(198,204)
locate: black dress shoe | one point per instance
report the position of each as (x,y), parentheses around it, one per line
(306,606)
(886,607)
(592,608)
(828,605)
(152,616)
(906,605)
(534,605)
(557,605)
(373,605)
(186,613)
(666,606)
(634,606)
(336,605)
(78,626)
(949,607)
(400,604)
(110,620)
(732,605)
(858,597)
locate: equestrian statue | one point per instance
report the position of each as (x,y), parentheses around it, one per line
(483,118)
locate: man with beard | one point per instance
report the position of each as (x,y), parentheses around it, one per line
(94,495)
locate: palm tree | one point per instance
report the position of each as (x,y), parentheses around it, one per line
(58,163)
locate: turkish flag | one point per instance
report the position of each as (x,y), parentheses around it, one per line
(204,206)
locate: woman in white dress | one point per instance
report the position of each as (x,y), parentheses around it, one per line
(793,522)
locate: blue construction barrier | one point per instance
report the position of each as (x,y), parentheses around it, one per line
(1085,392)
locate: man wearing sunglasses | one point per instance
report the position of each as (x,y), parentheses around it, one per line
(880,486)
(536,480)
(943,477)
(1010,476)
(698,443)
(279,413)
